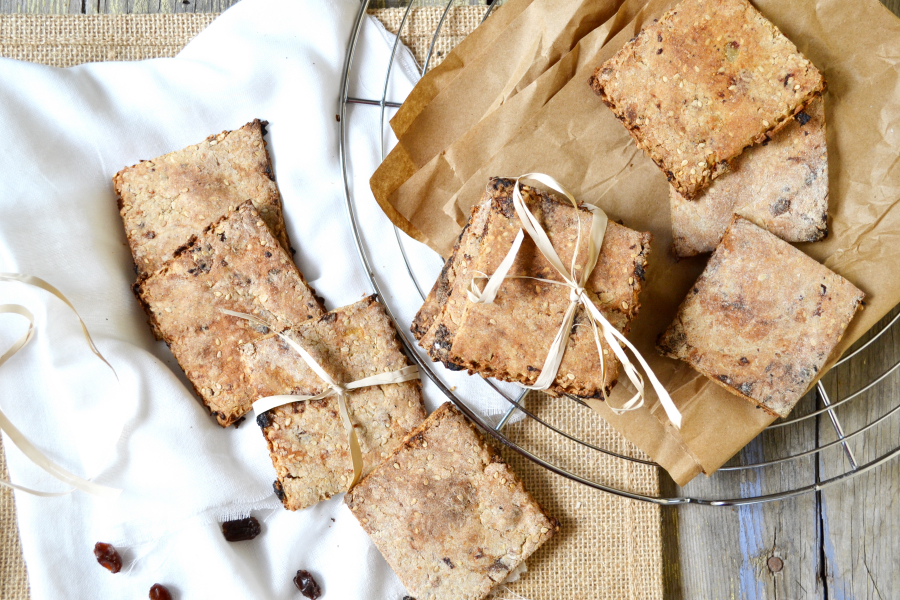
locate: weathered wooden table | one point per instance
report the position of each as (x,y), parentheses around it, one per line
(841,543)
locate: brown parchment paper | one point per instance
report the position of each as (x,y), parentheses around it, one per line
(576,139)
(500,64)
(446,172)
(439,77)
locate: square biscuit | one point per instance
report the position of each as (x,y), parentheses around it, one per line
(449,516)
(510,338)
(307,440)
(707,80)
(235,264)
(166,200)
(762,319)
(782,186)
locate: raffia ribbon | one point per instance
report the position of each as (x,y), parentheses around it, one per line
(577,295)
(20,439)
(334,389)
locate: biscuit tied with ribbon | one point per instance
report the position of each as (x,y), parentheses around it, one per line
(577,296)
(334,389)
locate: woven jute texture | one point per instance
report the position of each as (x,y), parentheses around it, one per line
(607,547)
(421,24)
(66,40)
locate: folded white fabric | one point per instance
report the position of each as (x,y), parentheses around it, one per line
(63,134)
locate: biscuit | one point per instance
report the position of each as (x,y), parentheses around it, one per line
(449,516)
(167,200)
(707,80)
(307,440)
(234,264)
(782,186)
(762,319)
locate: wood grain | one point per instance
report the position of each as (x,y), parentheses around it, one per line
(155,6)
(860,519)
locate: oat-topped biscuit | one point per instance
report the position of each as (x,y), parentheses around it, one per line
(307,440)
(510,338)
(165,201)
(710,78)
(449,516)
(238,265)
(440,315)
(781,186)
(762,319)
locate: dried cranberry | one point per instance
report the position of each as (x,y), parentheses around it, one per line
(108,557)
(240,529)
(307,585)
(159,592)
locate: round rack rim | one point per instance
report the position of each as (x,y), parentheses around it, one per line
(516,403)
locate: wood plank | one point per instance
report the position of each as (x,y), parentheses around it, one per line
(159,6)
(726,552)
(40,7)
(861,518)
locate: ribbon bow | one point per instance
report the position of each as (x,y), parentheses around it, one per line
(334,389)
(577,296)
(20,439)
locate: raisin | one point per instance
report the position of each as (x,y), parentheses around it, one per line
(108,557)
(159,592)
(279,490)
(240,529)
(307,585)
(408,598)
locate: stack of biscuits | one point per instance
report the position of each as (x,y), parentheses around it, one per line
(206,231)
(510,338)
(733,114)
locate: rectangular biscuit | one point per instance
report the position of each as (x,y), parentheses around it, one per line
(782,186)
(707,80)
(307,440)
(762,319)
(510,338)
(235,264)
(449,516)
(166,200)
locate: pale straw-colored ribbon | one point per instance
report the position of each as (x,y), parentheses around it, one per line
(334,389)
(17,437)
(577,295)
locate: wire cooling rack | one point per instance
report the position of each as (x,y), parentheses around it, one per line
(738,481)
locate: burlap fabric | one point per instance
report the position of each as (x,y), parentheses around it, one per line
(421,24)
(608,547)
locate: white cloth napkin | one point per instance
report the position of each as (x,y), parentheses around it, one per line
(63,134)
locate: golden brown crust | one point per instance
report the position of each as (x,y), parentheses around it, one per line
(707,80)
(235,264)
(762,319)
(510,338)
(449,516)
(307,440)
(465,245)
(450,297)
(782,186)
(164,201)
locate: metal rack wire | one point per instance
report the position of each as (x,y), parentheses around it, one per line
(740,495)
